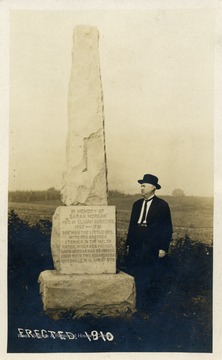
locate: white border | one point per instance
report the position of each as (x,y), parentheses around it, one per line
(5,7)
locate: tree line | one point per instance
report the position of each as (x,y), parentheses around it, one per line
(54,194)
(38,195)
(49,194)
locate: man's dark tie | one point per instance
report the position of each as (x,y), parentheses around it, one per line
(144,210)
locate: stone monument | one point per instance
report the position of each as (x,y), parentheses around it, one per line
(83,239)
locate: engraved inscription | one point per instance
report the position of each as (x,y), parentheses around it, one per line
(87,237)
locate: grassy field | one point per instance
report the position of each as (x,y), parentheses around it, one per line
(191,216)
(181,317)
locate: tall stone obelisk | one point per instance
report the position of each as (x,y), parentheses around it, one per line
(83,239)
(85,178)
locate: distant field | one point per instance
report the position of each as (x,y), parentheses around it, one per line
(192,216)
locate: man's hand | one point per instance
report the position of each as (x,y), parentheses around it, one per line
(162,253)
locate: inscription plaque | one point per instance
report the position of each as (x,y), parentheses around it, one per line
(87,240)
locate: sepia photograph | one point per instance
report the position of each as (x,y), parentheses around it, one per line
(111,177)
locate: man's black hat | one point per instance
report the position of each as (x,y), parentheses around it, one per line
(150,179)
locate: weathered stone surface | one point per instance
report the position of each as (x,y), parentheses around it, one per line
(85,178)
(83,239)
(98,295)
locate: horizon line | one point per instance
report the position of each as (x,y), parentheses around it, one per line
(114,190)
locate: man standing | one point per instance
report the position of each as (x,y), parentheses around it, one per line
(149,236)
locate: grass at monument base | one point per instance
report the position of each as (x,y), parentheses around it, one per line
(180,318)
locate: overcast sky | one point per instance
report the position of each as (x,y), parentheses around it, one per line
(157,69)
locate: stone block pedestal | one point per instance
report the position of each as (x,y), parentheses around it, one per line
(110,295)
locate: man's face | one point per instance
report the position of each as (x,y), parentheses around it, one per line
(147,190)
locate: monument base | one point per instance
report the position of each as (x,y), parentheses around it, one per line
(76,296)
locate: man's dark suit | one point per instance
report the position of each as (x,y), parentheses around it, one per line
(144,243)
